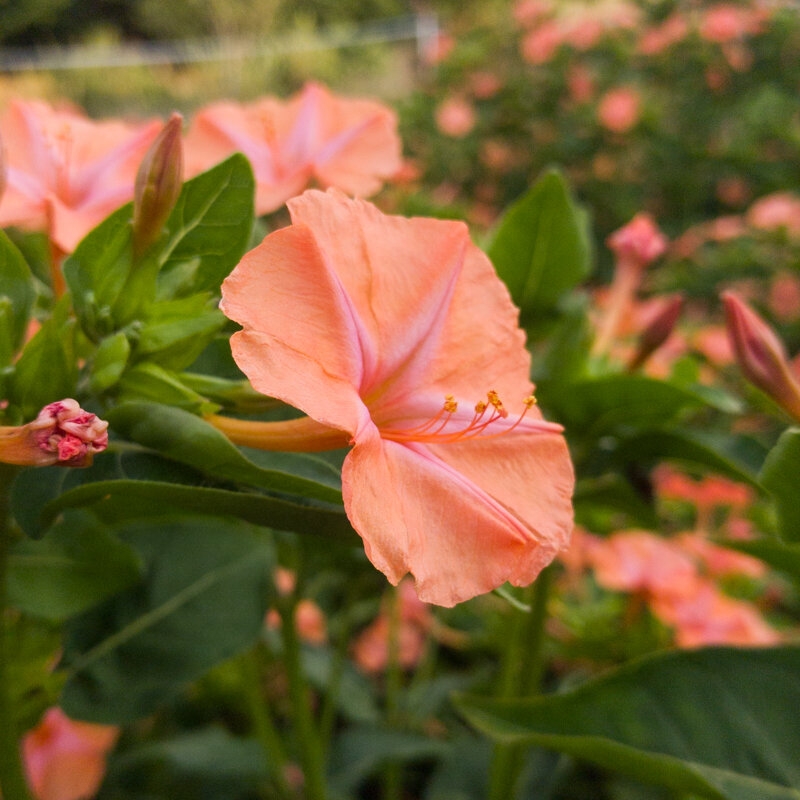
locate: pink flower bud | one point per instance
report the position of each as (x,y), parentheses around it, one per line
(63,434)
(658,330)
(158,184)
(760,354)
(639,242)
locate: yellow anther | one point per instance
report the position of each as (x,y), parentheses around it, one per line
(450,404)
(529,401)
(495,400)
(480,407)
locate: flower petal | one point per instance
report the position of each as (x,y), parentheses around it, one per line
(300,341)
(489,513)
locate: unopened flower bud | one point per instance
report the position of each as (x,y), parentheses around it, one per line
(657,330)
(63,434)
(639,242)
(760,354)
(158,184)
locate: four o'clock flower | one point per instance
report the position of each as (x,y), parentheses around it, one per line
(395,335)
(63,434)
(66,173)
(760,354)
(350,144)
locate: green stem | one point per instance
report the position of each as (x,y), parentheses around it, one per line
(12,774)
(263,724)
(521,675)
(309,741)
(392,774)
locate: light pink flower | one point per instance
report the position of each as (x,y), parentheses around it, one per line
(65,760)
(619,109)
(367,323)
(351,144)
(542,43)
(776,211)
(661,37)
(721,562)
(639,561)
(725,22)
(484,84)
(639,241)
(580,83)
(66,173)
(526,12)
(455,117)
(784,296)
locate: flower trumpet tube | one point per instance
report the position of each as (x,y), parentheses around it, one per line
(396,337)
(760,354)
(158,184)
(63,434)
(635,245)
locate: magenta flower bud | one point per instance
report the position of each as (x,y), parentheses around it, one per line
(639,242)
(760,354)
(658,330)
(63,434)
(158,184)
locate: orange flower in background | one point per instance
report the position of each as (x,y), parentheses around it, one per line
(396,336)
(66,173)
(350,144)
(66,760)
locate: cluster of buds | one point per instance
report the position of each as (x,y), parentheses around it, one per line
(638,243)
(761,355)
(63,434)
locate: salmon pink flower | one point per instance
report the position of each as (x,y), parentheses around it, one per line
(63,434)
(455,117)
(780,210)
(350,144)
(619,109)
(66,173)
(541,44)
(396,336)
(65,760)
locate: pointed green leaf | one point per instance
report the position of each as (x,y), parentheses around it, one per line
(541,248)
(16,284)
(780,476)
(719,723)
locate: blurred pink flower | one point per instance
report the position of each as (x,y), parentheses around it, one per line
(661,37)
(703,616)
(721,562)
(776,211)
(725,22)
(707,493)
(639,561)
(540,45)
(723,229)
(582,33)
(784,296)
(66,173)
(733,191)
(619,109)
(484,84)
(580,83)
(526,12)
(712,341)
(438,49)
(455,117)
(497,155)
(638,242)
(351,144)
(65,760)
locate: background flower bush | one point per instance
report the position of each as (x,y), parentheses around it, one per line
(189,617)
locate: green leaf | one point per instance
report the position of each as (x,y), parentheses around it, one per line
(720,722)
(16,284)
(598,405)
(360,752)
(203,599)
(45,371)
(189,440)
(75,566)
(541,248)
(209,229)
(138,498)
(98,270)
(151,382)
(109,362)
(737,457)
(175,332)
(780,476)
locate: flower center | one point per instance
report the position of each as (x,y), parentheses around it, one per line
(439,430)
(61,147)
